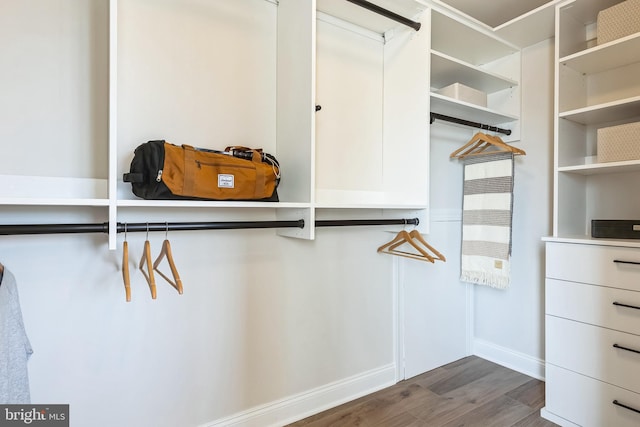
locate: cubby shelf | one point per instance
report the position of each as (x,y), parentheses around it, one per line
(467,111)
(446,70)
(619,109)
(602,168)
(617,53)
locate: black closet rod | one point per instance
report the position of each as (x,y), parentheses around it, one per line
(19,229)
(437,116)
(358,222)
(387,13)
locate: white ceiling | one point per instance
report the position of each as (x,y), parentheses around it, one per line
(495,12)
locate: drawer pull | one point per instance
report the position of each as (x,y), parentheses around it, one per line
(626,305)
(615,402)
(626,348)
(619,261)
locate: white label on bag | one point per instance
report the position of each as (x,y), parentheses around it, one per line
(636,227)
(226,181)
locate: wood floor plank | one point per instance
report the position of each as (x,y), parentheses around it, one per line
(471,371)
(502,411)
(395,401)
(343,416)
(534,420)
(470,392)
(530,393)
(461,400)
(402,420)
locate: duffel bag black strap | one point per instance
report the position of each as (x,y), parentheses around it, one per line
(133,177)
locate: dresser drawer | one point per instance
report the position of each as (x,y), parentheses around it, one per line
(597,265)
(590,350)
(598,305)
(588,402)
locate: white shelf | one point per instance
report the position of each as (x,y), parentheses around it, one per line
(140,203)
(587,240)
(51,191)
(530,28)
(618,53)
(603,168)
(364,18)
(586,11)
(603,113)
(349,199)
(467,111)
(42,201)
(446,70)
(472,45)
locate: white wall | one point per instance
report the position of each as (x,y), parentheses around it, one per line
(508,325)
(262,318)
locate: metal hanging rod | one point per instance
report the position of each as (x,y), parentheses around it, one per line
(20,229)
(437,116)
(387,13)
(358,222)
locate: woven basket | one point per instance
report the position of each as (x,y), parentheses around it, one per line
(619,143)
(618,21)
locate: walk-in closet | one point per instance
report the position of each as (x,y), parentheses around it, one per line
(259,213)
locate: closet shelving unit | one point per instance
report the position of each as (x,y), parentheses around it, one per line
(79,122)
(524,30)
(597,86)
(474,56)
(591,287)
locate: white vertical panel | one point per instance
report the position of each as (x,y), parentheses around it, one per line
(295,99)
(349,126)
(113,122)
(435,309)
(406,113)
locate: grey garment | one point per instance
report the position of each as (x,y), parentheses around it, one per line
(15,348)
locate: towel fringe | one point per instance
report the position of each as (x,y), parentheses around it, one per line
(484,278)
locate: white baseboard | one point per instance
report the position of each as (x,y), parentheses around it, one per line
(556,419)
(511,359)
(302,405)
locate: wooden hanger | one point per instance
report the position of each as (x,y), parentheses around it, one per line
(166,253)
(415,240)
(125,266)
(415,234)
(480,142)
(146,258)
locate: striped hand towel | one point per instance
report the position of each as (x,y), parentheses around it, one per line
(486,220)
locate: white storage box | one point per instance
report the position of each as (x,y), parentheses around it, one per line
(464,93)
(618,143)
(618,21)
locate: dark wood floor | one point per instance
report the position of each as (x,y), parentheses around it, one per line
(469,392)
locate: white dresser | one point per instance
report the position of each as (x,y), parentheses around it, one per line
(592,335)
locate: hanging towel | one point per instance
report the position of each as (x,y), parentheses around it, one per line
(15,348)
(486,220)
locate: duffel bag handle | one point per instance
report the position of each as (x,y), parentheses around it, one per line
(253,154)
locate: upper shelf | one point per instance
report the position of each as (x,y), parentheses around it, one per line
(617,53)
(603,113)
(466,111)
(603,168)
(446,70)
(52,191)
(524,30)
(466,43)
(364,18)
(140,203)
(530,28)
